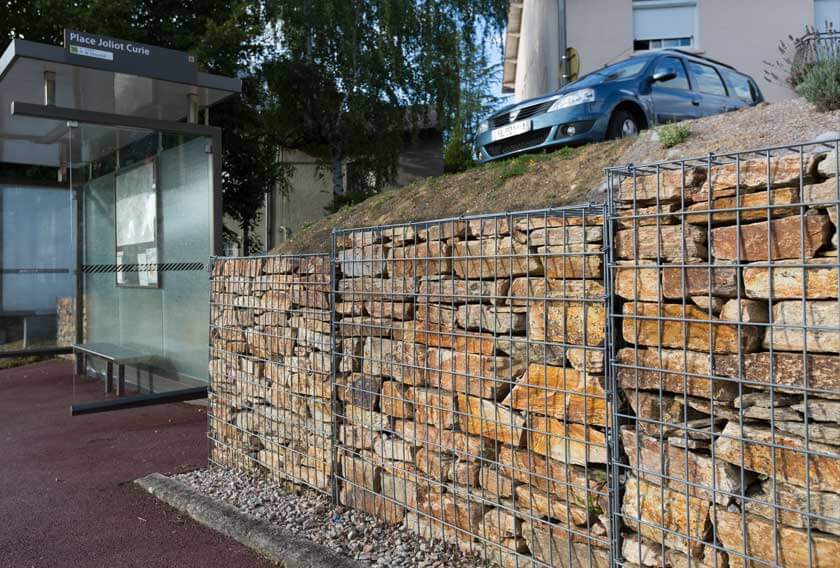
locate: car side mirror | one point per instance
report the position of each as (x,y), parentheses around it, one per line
(663,76)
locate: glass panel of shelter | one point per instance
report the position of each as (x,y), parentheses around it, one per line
(145,212)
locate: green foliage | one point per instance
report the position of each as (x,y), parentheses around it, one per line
(457,156)
(821,85)
(673,134)
(799,54)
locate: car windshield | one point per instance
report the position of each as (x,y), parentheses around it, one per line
(617,72)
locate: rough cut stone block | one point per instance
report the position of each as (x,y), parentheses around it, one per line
(454,510)
(789,369)
(372,504)
(681,282)
(541,504)
(571,323)
(434,406)
(395,400)
(525,291)
(392,448)
(666,185)
(790,464)
(435,335)
(367,288)
(764,541)
(365,326)
(360,471)
(788,280)
(683,517)
(359,239)
(453,291)
(744,311)
(494,258)
(561,393)
(368,260)
(280,265)
(797,507)
(496,320)
(820,320)
(424,259)
(693,333)
(681,471)
(638,283)
(434,465)
(567,443)
(494,483)
(752,207)
(400,360)
(562,236)
(558,547)
(392,310)
(674,371)
(789,237)
(485,418)
(470,373)
(666,243)
(572,262)
(748,176)
(653,215)
(399,235)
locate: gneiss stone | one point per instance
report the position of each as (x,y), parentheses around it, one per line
(436,335)
(525,291)
(567,443)
(470,373)
(788,370)
(820,410)
(665,243)
(395,400)
(559,547)
(434,406)
(367,288)
(485,418)
(717,279)
(562,235)
(571,323)
(789,279)
(816,324)
(823,471)
(541,504)
(423,259)
(796,507)
(772,544)
(494,258)
(572,261)
(562,393)
(498,320)
(638,282)
(454,291)
(454,510)
(789,237)
(681,471)
(653,215)
(388,309)
(750,207)
(401,360)
(667,185)
(367,260)
(685,519)
(686,327)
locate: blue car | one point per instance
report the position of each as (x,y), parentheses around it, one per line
(617,101)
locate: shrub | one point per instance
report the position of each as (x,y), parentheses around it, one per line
(672,134)
(457,156)
(798,55)
(821,85)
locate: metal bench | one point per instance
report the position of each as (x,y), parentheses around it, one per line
(113,355)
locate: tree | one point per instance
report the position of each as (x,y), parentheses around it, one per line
(348,78)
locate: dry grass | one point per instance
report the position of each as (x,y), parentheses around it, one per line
(565,177)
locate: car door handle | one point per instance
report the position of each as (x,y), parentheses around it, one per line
(695,102)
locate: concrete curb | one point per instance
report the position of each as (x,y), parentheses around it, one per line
(289,551)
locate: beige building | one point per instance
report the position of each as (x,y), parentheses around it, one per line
(310,194)
(743,33)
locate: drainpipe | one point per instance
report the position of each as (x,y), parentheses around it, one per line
(563,41)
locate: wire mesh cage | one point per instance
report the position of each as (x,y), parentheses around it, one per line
(727,333)
(271,367)
(470,393)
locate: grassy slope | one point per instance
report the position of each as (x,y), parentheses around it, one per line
(566,177)
(527,182)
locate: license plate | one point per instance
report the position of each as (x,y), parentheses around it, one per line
(509,130)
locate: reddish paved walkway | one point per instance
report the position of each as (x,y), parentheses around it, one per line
(66,497)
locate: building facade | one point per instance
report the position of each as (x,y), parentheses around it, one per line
(743,33)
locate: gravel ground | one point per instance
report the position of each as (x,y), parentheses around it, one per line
(308,513)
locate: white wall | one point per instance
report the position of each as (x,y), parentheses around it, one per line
(600,30)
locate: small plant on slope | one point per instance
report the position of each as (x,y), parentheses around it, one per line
(821,85)
(671,135)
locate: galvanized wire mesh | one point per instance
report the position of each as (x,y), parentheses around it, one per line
(727,325)
(470,389)
(270,367)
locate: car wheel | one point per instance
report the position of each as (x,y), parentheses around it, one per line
(623,125)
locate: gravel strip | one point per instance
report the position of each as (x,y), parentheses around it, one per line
(307,513)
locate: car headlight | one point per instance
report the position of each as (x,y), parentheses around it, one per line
(573,98)
(483,126)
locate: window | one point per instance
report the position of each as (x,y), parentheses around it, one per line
(675,65)
(706,79)
(659,25)
(827,15)
(742,85)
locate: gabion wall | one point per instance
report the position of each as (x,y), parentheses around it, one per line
(270,367)
(727,359)
(472,383)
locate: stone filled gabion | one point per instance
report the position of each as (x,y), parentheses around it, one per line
(731,332)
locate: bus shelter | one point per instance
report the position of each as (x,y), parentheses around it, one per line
(110,207)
